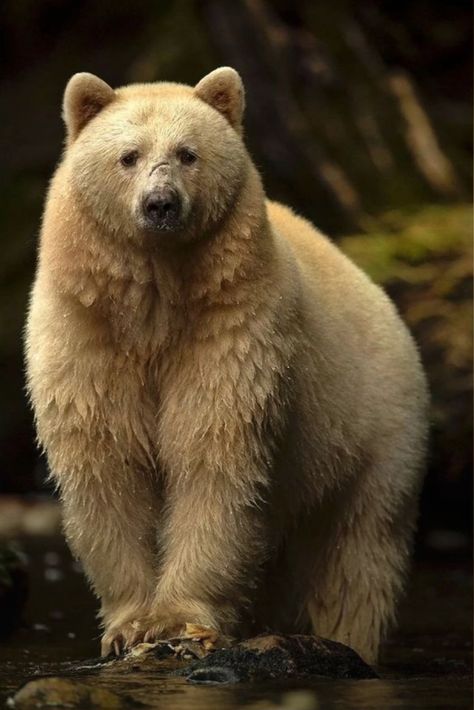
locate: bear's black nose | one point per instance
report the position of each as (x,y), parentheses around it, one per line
(162,209)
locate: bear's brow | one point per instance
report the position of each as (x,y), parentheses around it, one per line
(141,114)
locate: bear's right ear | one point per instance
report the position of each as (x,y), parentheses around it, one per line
(85,96)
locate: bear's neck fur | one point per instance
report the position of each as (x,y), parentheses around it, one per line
(128,287)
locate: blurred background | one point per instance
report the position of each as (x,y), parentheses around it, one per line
(359,116)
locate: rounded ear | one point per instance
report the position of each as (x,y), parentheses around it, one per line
(85,96)
(223,90)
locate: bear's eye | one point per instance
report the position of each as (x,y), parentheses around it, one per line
(186,156)
(130,158)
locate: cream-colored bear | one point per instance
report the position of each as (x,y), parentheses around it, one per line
(235,416)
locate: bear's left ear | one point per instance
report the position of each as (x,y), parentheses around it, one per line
(85,96)
(223,90)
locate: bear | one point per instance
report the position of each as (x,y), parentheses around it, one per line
(234,415)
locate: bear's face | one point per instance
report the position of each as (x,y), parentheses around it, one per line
(162,163)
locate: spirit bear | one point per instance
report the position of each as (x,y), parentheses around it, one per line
(234,415)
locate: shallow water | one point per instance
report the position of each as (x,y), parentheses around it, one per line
(427,664)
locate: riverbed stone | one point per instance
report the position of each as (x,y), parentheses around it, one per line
(275,656)
(67,693)
(263,658)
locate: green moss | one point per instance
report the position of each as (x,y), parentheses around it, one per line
(404,245)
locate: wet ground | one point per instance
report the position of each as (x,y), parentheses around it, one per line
(426,664)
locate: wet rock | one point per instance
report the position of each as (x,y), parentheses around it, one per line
(261,658)
(62,693)
(275,656)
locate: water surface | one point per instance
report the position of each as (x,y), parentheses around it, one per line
(426,664)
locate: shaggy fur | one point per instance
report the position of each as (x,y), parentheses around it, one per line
(235,416)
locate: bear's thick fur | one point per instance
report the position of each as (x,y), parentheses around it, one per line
(235,416)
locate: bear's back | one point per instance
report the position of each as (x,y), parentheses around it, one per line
(347,317)
(332,283)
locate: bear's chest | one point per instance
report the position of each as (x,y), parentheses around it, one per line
(117,401)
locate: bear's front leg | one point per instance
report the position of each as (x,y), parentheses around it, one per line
(110,510)
(109,523)
(214,544)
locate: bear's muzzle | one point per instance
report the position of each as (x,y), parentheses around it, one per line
(162,209)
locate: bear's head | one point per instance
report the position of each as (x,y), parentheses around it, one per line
(162,163)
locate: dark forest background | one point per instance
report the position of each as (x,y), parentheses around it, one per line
(359,116)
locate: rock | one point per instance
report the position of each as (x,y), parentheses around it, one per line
(257,659)
(63,692)
(261,658)
(266,657)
